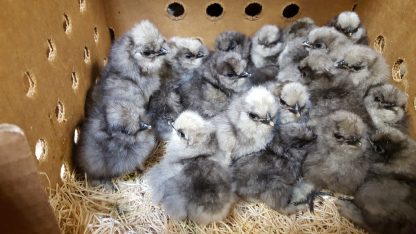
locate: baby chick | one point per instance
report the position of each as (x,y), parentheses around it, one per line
(294,103)
(348,23)
(247,125)
(327,40)
(192,181)
(115,139)
(234,41)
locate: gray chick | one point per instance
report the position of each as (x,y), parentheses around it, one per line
(231,41)
(193,181)
(339,162)
(247,125)
(185,56)
(266,47)
(270,175)
(213,86)
(366,67)
(294,103)
(387,106)
(348,23)
(386,202)
(115,139)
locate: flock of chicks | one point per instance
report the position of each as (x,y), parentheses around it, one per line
(281,117)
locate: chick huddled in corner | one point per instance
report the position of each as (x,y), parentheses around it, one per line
(282,117)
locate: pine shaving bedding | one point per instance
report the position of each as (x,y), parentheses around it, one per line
(80,208)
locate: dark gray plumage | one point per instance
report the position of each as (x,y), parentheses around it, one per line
(387,106)
(270,175)
(247,125)
(231,41)
(210,91)
(186,55)
(115,137)
(193,180)
(348,23)
(340,160)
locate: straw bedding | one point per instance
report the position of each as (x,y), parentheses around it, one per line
(80,208)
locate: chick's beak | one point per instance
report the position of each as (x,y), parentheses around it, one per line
(144,126)
(297,113)
(162,51)
(341,64)
(307,44)
(244,75)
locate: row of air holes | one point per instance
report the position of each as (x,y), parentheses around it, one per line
(176,10)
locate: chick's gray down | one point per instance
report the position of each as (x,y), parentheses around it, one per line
(115,137)
(231,41)
(193,180)
(348,23)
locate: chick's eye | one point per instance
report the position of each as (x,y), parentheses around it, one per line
(253,116)
(146,53)
(230,74)
(338,136)
(181,134)
(357,67)
(377,99)
(283,102)
(188,55)
(318,45)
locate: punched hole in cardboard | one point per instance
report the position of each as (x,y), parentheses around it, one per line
(175,10)
(29,84)
(379,44)
(96,35)
(253,10)
(67,24)
(112,34)
(214,10)
(60,112)
(74,80)
(62,171)
(399,70)
(76,135)
(290,10)
(41,149)
(51,51)
(87,58)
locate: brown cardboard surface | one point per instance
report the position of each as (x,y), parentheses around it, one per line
(26,27)
(395,20)
(23,201)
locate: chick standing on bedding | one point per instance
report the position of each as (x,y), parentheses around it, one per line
(193,180)
(115,137)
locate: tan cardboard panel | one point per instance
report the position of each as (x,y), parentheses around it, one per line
(23,201)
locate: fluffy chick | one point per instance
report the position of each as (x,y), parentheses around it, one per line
(340,161)
(299,29)
(365,66)
(192,181)
(186,55)
(294,103)
(348,23)
(386,105)
(270,175)
(247,125)
(114,137)
(210,91)
(234,41)
(327,40)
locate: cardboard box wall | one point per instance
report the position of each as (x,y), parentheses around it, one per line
(52,52)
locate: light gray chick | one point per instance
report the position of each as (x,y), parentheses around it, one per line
(270,175)
(294,103)
(348,23)
(266,46)
(210,91)
(339,162)
(366,67)
(247,125)
(231,41)
(115,139)
(387,106)
(185,56)
(386,202)
(193,180)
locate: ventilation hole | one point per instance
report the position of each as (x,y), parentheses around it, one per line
(399,70)
(40,149)
(214,10)
(67,24)
(82,5)
(60,112)
(96,35)
(87,58)
(76,135)
(105,60)
(175,10)
(30,84)
(74,79)
(62,173)
(290,10)
(354,7)
(112,35)
(379,44)
(51,50)
(253,9)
